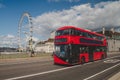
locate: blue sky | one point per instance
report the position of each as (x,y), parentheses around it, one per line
(11,10)
(49,15)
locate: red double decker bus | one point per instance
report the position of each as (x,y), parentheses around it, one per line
(77,46)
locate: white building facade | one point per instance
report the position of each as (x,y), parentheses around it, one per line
(45,48)
(113,45)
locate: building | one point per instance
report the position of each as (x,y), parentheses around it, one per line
(113,45)
(113,39)
(45,46)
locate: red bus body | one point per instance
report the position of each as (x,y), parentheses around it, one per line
(76,46)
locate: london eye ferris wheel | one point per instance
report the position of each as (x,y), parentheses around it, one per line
(25,32)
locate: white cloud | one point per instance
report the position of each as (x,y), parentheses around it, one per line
(35,39)
(84,16)
(12,41)
(10,36)
(8,41)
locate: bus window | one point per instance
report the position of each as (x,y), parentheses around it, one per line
(94,37)
(97,49)
(66,32)
(78,33)
(83,49)
(58,33)
(72,32)
(61,50)
(75,32)
(84,34)
(100,49)
(101,38)
(90,35)
(62,32)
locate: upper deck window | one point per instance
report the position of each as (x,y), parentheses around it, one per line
(69,32)
(75,32)
(100,37)
(62,32)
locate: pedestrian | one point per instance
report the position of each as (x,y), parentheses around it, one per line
(32,53)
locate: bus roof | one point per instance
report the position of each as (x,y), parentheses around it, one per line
(77,28)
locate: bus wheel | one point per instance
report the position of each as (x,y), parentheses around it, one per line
(82,60)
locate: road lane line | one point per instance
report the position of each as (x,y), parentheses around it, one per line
(112,61)
(112,57)
(51,71)
(101,72)
(20,77)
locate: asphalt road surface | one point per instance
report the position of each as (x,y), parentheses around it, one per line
(46,70)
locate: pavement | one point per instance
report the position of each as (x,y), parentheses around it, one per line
(24,60)
(115,77)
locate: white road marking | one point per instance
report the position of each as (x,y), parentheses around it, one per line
(113,57)
(51,71)
(42,73)
(101,72)
(112,61)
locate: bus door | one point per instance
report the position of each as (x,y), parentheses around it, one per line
(74,54)
(91,53)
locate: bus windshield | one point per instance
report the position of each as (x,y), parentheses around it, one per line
(61,50)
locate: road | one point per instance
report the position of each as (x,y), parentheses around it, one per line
(46,70)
